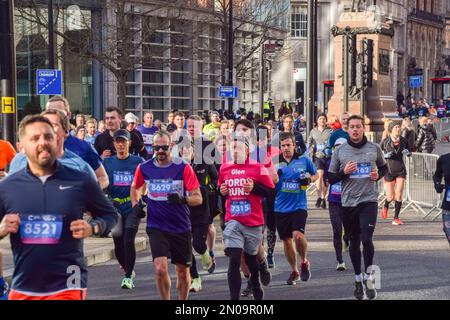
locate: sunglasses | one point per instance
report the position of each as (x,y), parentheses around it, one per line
(165,148)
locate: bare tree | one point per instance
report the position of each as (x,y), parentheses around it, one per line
(131,36)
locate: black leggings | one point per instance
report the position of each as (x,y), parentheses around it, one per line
(270,223)
(234,273)
(360,222)
(336,218)
(199,234)
(125,249)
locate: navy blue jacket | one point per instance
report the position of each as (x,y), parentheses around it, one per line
(44,269)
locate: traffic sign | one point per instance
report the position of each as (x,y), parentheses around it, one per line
(228,92)
(49,81)
(416,81)
(8,105)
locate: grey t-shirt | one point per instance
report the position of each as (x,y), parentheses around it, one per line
(358,187)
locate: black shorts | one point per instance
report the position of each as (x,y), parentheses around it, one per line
(320,163)
(290,222)
(391,177)
(176,246)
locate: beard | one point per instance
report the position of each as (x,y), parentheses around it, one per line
(161,156)
(46,162)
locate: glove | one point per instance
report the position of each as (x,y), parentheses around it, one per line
(305,182)
(138,210)
(388,155)
(174,198)
(328,152)
(439,188)
(406,152)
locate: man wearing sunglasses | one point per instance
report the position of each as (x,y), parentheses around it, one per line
(171,188)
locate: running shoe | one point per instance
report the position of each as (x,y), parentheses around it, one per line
(371,292)
(127,283)
(324,204)
(212,268)
(264,273)
(359,290)
(293,278)
(4,289)
(341,267)
(305,271)
(196,285)
(258,292)
(270,261)
(397,222)
(248,290)
(318,203)
(384,213)
(206,260)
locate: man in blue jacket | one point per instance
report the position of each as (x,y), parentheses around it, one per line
(46,226)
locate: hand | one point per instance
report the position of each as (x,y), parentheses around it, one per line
(81,229)
(350,167)
(374,175)
(9,224)
(439,188)
(106,154)
(407,153)
(139,211)
(174,198)
(224,189)
(388,155)
(248,186)
(305,182)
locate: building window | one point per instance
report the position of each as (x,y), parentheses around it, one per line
(299,22)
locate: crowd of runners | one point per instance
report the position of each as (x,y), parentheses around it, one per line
(64,183)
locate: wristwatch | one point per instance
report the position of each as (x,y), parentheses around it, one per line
(95,228)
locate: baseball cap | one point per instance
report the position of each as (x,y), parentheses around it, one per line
(131,117)
(121,133)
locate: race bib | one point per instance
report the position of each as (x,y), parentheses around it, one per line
(148,138)
(448,195)
(158,189)
(240,208)
(149,149)
(40,229)
(122,178)
(321,147)
(363,171)
(336,189)
(290,186)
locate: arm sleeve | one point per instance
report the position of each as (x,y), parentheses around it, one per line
(190,179)
(97,145)
(437,177)
(92,157)
(381,164)
(138,178)
(311,167)
(263,190)
(101,208)
(213,174)
(420,138)
(265,178)
(309,141)
(334,173)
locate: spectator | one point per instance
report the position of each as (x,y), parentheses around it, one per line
(91,131)
(426,137)
(400,99)
(441,109)
(285,109)
(408,132)
(432,111)
(101,126)
(386,129)
(80,132)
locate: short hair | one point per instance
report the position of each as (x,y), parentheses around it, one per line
(81,115)
(287,135)
(245,123)
(112,109)
(262,132)
(62,99)
(92,120)
(79,128)
(179,114)
(31,119)
(162,133)
(322,114)
(224,122)
(288,116)
(356,117)
(148,112)
(63,120)
(195,118)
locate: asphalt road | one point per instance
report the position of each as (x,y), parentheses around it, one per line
(414,260)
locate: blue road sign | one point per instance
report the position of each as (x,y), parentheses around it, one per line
(49,82)
(416,81)
(228,92)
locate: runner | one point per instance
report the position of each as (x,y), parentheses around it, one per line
(296,173)
(77,146)
(168,223)
(200,216)
(212,129)
(394,148)
(339,133)
(104,143)
(121,169)
(244,185)
(148,130)
(288,126)
(443,171)
(317,142)
(340,238)
(46,236)
(359,164)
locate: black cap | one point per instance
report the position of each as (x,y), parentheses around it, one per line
(121,133)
